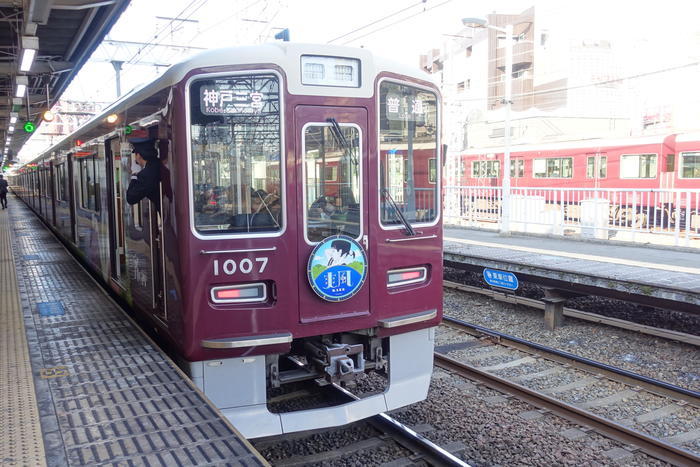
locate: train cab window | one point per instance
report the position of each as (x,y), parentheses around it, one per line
(332,206)
(553,167)
(407,142)
(690,164)
(517,168)
(638,166)
(236,154)
(486,169)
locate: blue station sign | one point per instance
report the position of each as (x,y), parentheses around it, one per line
(501,279)
(337,268)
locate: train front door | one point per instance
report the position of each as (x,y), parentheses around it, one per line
(332,169)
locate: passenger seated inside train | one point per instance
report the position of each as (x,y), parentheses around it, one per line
(265,210)
(327,216)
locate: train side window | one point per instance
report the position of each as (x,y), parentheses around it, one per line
(89,182)
(553,167)
(236,154)
(671,162)
(590,167)
(517,168)
(407,142)
(486,169)
(690,164)
(432,170)
(603,167)
(60,177)
(638,166)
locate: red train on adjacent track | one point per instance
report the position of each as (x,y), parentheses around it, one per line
(656,167)
(299,233)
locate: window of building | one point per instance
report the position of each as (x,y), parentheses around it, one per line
(460,86)
(517,168)
(408,141)
(469,51)
(638,166)
(554,167)
(690,164)
(486,169)
(236,154)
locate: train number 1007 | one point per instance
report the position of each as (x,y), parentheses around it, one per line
(245,266)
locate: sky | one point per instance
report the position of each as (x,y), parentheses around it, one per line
(163,32)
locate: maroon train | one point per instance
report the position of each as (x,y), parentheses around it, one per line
(299,234)
(653,166)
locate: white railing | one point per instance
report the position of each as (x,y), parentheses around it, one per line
(650,216)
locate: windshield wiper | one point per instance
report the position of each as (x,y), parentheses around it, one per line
(341,140)
(409,229)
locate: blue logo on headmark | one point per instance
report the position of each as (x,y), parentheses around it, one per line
(337,268)
(502,279)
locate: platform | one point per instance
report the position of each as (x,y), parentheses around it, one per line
(662,277)
(80,383)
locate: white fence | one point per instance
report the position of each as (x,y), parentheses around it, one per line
(650,216)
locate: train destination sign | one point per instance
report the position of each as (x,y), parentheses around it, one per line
(337,268)
(222,100)
(501,279)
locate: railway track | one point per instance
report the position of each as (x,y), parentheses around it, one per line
(573,313)
(561,383)
(375,440)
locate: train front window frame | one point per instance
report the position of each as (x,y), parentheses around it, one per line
(689,170)
(408,117)
(644,166)
(251,169)
(327,214)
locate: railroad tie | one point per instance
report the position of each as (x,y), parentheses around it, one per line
(603,401)
(510,364)
(539,374)
(579,383)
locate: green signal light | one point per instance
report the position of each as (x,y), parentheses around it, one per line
(29,127)
(128,129)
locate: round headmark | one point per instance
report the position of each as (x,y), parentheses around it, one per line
(337,268)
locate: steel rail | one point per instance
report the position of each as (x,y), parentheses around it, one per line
(653,446)
(578,314)
(414,441)
(629,377)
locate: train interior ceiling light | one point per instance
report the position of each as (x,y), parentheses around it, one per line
(30,45)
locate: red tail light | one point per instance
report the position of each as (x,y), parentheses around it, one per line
(398,277)
(243,293)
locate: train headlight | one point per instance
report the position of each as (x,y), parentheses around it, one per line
(319,70)
(243,293)
(399,277)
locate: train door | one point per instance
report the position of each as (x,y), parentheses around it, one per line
(115,202)
(331,161)
(157,260)
(52,193)
(71,198)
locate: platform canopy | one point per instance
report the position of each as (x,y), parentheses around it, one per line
(63,34)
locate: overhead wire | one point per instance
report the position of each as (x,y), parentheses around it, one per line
(421,2)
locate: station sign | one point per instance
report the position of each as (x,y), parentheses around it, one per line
(501,279)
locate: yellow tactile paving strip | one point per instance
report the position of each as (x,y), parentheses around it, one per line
(21,442)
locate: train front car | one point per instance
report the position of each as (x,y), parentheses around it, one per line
(313,247)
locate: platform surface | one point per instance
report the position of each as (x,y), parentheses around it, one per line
(666,274)
(81,384)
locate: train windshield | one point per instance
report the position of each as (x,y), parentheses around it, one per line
(408,143)
(332,180)
(235,142)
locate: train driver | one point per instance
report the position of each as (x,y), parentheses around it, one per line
(145,172)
